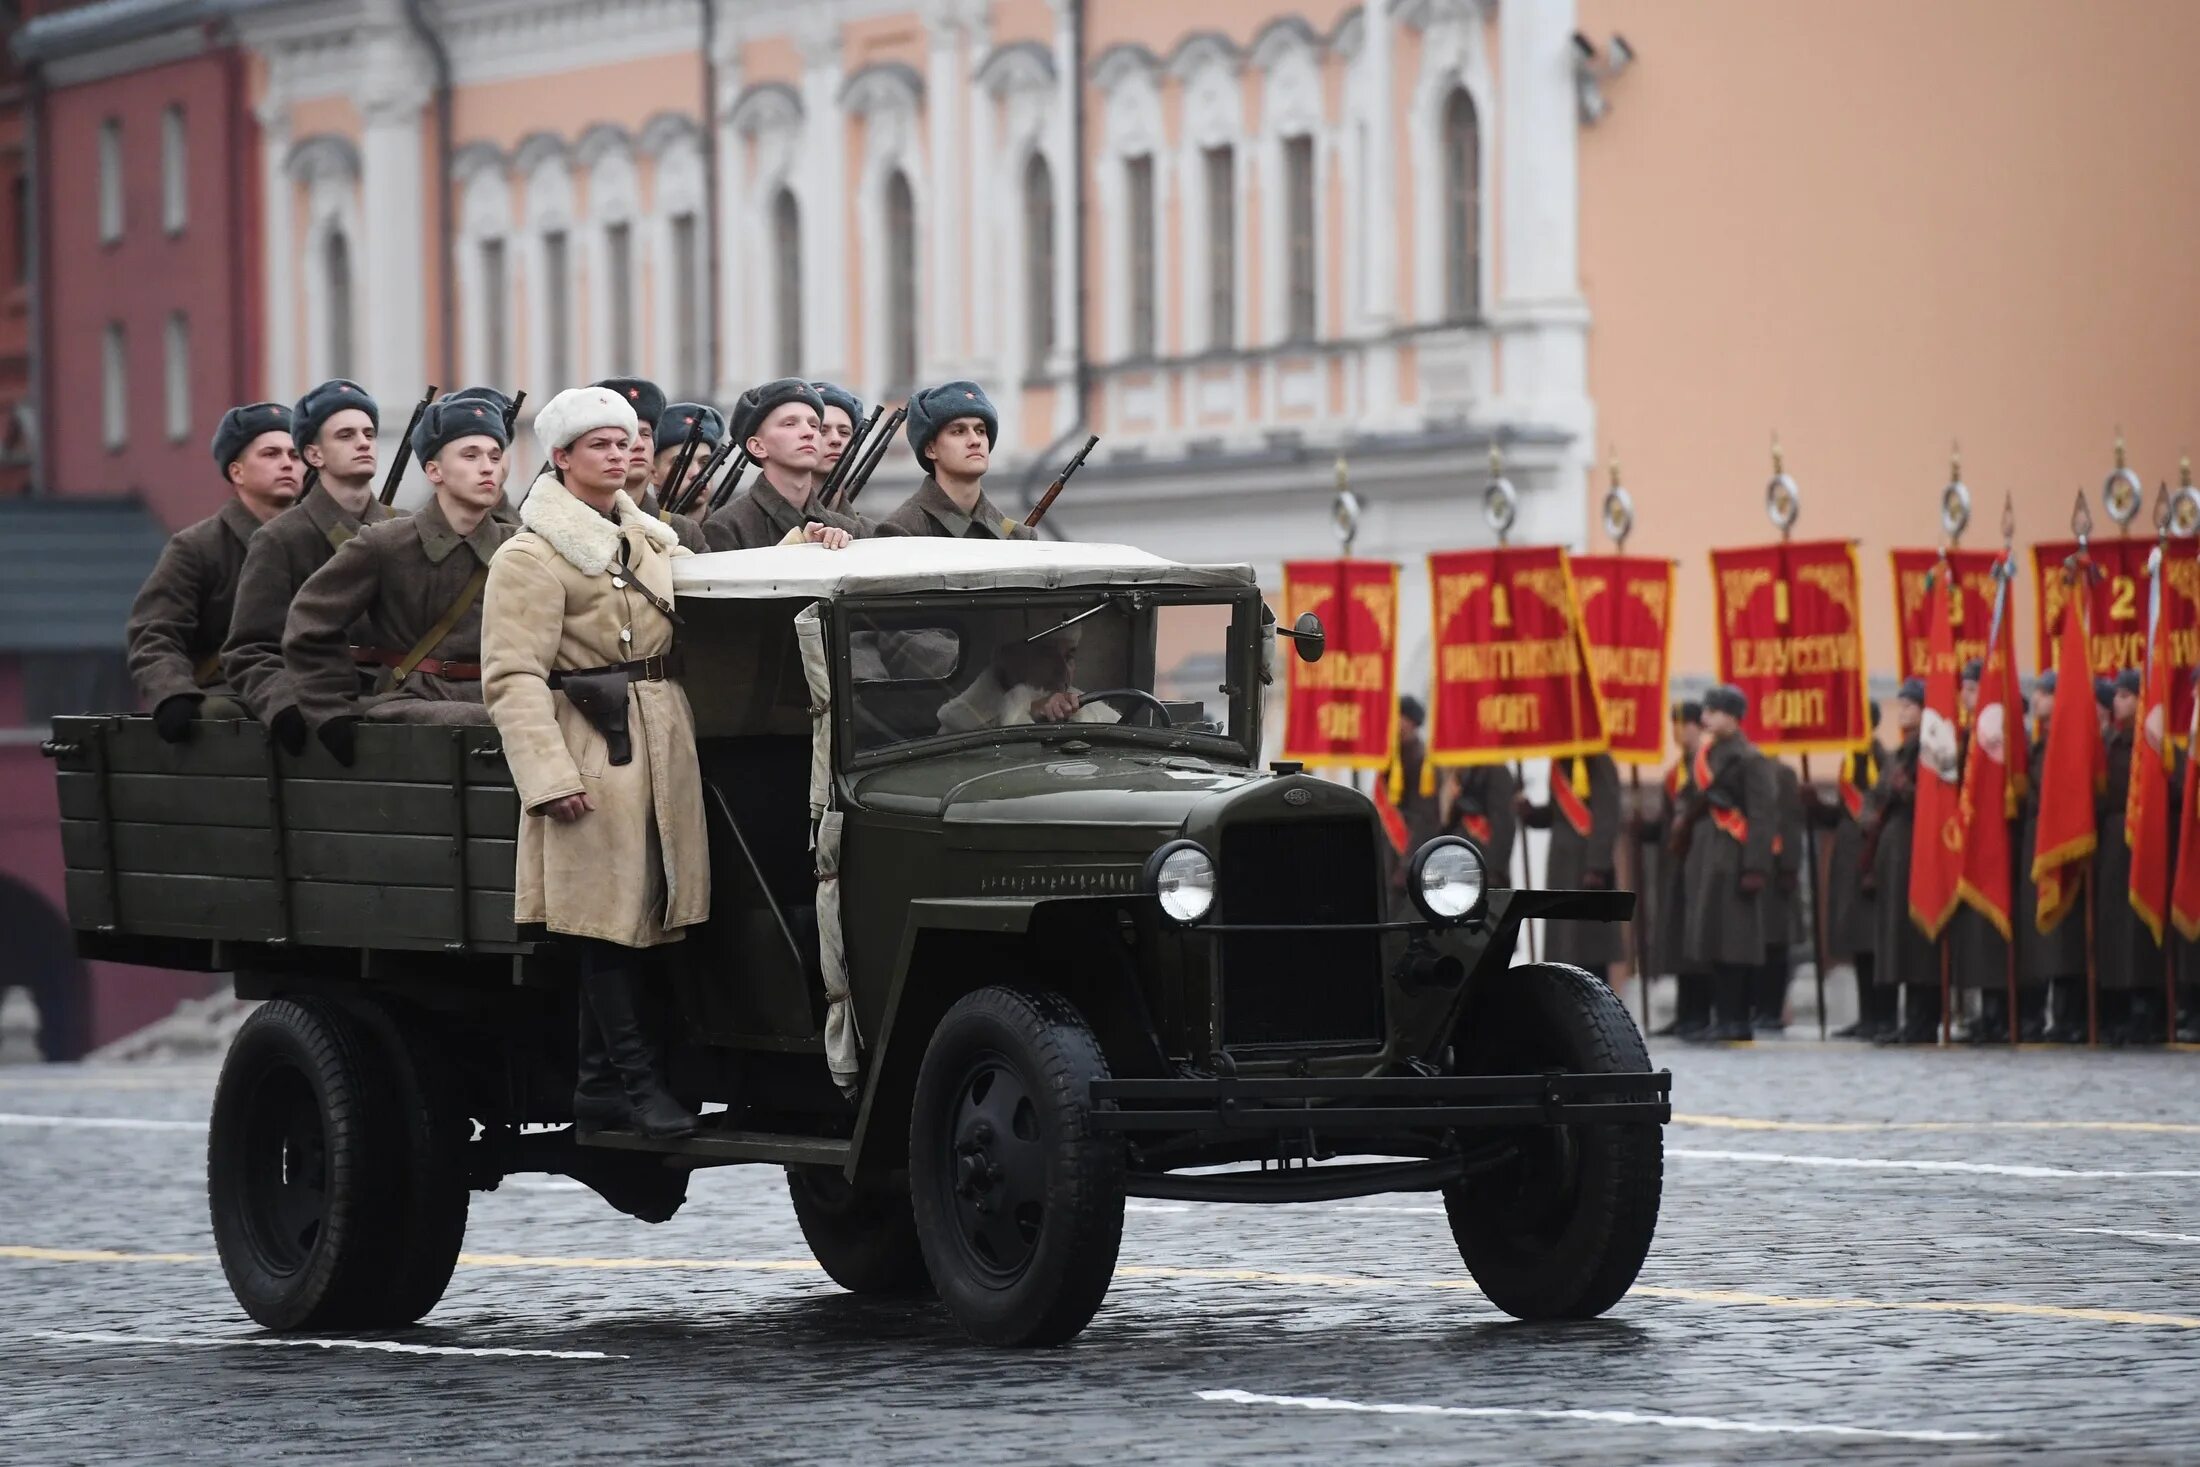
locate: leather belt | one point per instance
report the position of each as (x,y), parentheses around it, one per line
(661,668)
(457,672)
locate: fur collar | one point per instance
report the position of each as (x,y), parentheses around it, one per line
(583,536)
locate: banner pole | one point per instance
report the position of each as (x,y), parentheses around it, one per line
(2092,972)
(1817,909)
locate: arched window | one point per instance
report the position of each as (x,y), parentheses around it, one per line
(787,279)
(1462,208)
(336,264)
(901,285)
(1038,262)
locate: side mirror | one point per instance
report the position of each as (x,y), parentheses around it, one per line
(1307,636)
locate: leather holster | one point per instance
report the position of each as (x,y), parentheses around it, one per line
(601,698)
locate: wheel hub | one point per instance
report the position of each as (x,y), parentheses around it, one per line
(996,1174)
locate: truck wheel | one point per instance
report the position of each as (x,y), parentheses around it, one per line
(426,1212)
(299,1162)
(1559,1231)
(866,1240)
(1019,1202)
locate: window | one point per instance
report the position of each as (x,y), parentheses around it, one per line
(1462,208)
(787,280)
(557,307)
(110,181)
(1141,255)
(175,182)
(1298,176)
(176,353)
(618,250)
(1221,248)
(688,308)
(114,384)
(1038,262)
(336,267)
(901,285)
(496,319)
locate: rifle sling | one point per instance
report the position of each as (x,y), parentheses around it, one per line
(442,628)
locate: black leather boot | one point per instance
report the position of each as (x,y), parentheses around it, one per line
(610,987)
(2065,1011)
(1730,1006)
(1921,1019)
(1992,1024)
(599,1100)
(1691,1009)
(2188,1015)
(1769,992)
(2031,1015)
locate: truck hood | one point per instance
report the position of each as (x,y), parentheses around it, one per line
(1037,786)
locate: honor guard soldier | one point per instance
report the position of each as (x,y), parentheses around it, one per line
(1978,955)
(2125,955)
(2050,964)
(1583,818)
(1660,836)
(1904,958)
(503,510)
(403,598)
(334,425)
(648,401)
(951,431)
(579,669)
(181,615)
(1409,789)
(836,425)
(1482,811)
(1781,907)
(2187,950)
(682,424)
(1850,906)
(1728,838)
(781,424)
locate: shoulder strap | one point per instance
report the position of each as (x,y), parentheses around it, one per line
(443,625)
(340,535)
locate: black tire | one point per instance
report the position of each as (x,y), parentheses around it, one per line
(1560,1231)
(866,1241)
(1018,1200)
(426,1211)
(300,1163)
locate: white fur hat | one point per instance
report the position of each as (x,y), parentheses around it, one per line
(579,410)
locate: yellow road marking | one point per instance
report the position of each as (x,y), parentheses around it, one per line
(1730,1298)
(1751,1123)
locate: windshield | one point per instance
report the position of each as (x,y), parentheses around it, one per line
(1121,661)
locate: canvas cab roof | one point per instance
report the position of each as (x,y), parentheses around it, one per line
(908,564)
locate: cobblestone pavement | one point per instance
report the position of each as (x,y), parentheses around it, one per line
(1870,1255)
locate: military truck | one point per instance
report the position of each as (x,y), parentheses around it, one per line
(975,971)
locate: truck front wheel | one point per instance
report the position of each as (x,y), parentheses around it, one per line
(1561,1229)
(1019,1201)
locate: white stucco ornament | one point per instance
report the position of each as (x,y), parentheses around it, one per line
(1936,746)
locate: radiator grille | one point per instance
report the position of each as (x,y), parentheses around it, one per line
(1300,988)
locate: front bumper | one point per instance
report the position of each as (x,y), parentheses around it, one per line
(1382,1104)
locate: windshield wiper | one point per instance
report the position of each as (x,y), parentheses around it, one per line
(1080,616)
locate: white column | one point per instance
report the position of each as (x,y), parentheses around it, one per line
(986,348)
(397,295)
(280,317)
(1069,168)
(824,196)
(946,200)
(1376,222)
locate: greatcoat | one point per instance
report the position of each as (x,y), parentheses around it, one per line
(2060,951)
(1482,811)
(635,869)
(931,513)
(1902,953)
(289,547)
(182,611)
(1573,855)
(1724,925)
(760,516)
(2124,952)
(1850,909)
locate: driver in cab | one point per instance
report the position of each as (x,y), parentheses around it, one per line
(1029,681)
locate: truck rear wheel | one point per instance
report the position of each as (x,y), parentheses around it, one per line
(425,1219)
(300,1163)
(865,1240)
(1560,1230)
(1019,1201)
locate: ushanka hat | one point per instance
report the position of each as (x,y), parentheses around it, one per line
(1974,670)
(644,396)
(579,410)
(2128,681)
(936,407)
(766,398)
(835,395)
(449,419)
(1912,691)
(1688,710)
(685,420)
(324,402)
(489,395)
(1728,699)
(240,425)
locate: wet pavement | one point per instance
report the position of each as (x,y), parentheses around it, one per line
(1871,1255)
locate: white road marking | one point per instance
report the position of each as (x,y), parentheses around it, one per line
(387,1347)
(1615,1418)
(1897,1164)
(98,1123)
(2186,1240)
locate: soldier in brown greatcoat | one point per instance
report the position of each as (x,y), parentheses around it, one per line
(1904,957)
(780,422)
(1769,997)
(1849,906)
(1732,818)
(2125,954)
(1978,955)
(951,431)
(683,423)
(836,426)
(405,595)
(334,425)
(1482,811)
(2053,961)
(648,401)
(1666,892)
(1584,831)
(182,612)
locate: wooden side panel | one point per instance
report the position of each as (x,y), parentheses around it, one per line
(176,906)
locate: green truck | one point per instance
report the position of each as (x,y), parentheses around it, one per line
(975,971)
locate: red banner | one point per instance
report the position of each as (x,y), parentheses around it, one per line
(1626,613)
(2117,616)
(1343,710)
(1791,636)
(1970,615)
(1512,668)
(1994,778)
(1936,830)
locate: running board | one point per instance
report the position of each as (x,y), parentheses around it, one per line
(719,1147)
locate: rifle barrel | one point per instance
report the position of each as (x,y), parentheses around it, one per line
(876,452)
(693,492)
(1061,480)
(848,457)
(731,482)
(511,413)
(675,480)
(404,445)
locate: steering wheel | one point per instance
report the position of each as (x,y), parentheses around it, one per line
(1140,695)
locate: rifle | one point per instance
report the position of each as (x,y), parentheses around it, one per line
(876,450)
(1046,500)
(511,413)
(405,445)
(693,492)
(678,477)
(848,455)
(730,483)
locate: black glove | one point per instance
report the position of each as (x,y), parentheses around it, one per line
(289,730)
(172,718)
(341,736)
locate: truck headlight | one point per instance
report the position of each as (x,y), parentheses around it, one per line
(1447,880)
(1182,875)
